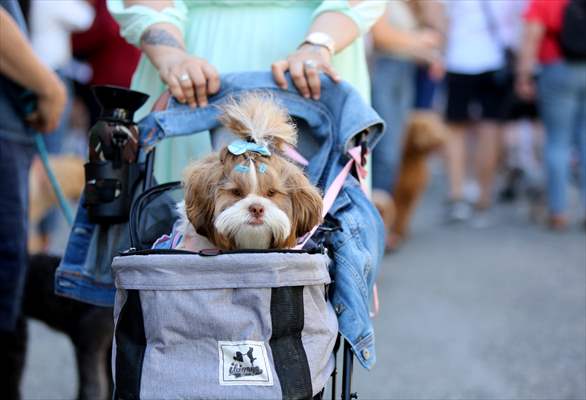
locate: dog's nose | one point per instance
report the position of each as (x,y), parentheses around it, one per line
(256,210)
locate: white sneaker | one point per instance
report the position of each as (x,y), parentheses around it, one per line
(458,211)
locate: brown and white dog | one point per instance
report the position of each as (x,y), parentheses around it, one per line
(247,195)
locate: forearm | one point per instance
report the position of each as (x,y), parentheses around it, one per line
(338,26)
(387,38)
(18,61)
(532,35)
(162,40)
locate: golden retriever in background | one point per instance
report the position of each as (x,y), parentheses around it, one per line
(425,133)
(68,170)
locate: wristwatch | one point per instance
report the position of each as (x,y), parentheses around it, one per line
(321,39)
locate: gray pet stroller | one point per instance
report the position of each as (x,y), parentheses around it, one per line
(241,324)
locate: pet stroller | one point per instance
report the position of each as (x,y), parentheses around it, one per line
(246,324)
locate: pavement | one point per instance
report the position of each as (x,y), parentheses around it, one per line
(483,314)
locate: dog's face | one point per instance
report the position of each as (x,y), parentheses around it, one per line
(250,201)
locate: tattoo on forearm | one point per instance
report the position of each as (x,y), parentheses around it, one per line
(160,37)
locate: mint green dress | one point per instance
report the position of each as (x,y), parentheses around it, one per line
(235,36)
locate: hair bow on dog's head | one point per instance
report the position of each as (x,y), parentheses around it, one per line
(239,147)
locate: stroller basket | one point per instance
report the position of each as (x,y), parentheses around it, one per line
(253,325)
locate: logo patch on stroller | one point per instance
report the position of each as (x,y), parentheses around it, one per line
(244,363)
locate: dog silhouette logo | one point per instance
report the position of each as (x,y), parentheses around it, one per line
(244,363)
(249,354)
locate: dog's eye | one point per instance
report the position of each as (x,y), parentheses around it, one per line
(236,192)
(271,193)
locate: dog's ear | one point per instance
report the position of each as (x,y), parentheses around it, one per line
(306,201)
(200,179)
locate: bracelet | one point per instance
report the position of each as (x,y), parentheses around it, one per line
(321,39)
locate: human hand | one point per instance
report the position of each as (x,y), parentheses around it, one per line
(525,87)
(304,64)
(190,79)
(428,39)
(50,105)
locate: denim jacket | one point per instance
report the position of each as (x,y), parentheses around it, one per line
(327,129)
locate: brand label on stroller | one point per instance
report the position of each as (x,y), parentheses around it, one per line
(244,363)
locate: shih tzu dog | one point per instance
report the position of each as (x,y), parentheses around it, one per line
(248,195)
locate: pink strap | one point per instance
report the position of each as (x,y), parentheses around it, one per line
(294,155)
(375,303)
(332,193)
(336,186)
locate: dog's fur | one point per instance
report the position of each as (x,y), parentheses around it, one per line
(425,133)
(255,209)
(68,170)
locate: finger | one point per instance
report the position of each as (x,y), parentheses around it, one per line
(312,75)
(298,77)
(187,87)
(199,81)
(175,88)
(212,78)
(332,73)
(279,68)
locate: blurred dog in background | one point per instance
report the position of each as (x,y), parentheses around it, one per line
(68,170)
(424,134)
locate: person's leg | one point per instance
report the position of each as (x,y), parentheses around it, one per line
(486,159)
(558,109)
(580,128)
(13,345)
(15,162)
(460,90)
(392,98)
(455,159)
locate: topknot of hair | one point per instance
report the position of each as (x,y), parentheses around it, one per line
(258,117)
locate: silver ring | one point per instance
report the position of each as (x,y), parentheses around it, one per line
(309,64)
(184,77)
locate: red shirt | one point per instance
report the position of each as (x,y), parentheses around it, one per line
(549,14)
(113,60)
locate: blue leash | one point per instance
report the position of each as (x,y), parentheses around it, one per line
(67,212)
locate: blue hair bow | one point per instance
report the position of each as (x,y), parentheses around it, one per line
(239,147)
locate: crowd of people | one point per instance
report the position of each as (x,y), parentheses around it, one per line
(509,87)
(505,80)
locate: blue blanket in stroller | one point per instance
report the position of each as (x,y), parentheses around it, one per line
(354,232)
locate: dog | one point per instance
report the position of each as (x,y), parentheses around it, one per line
(69,172)
(425,133)
(249,195)
(89,327)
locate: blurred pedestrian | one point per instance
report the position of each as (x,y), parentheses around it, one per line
(51,24)
(187,44)
(398,45)
(476,61)
(554,38)
(112,59)
(431,15)
(19,68)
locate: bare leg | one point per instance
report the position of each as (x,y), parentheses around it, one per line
(455,159)
(486,159)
